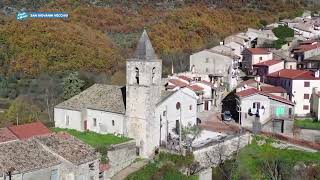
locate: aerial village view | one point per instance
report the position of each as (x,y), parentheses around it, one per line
(159,89)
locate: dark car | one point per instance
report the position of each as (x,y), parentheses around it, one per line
(227,116)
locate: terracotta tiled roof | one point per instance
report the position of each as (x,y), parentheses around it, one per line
(69,147)
(6,135)
(195,88)
(273,89)
(178,82)
(253,91)
(247,92)
(110,98)
(258,50)
(247,82)
(185,78)
(29,130)
(268,63)
(307,46)
(294,74)
(277,98)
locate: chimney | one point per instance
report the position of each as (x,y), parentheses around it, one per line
(317,73)
(172,68)
(259,86)
(257,78)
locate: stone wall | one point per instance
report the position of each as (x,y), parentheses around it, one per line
(212,155)
(308,135)
(120,156)
(205,174)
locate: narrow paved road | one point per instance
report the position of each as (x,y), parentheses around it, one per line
(130,169)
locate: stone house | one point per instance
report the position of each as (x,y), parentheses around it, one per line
(253,56)
(263,108)
(209,94)
(304,51)
(299,85)
(307,28)
(132,110)
(217,62)
(267,67)
(54,156)
(312,63)
(246,40)
(264,36)
(285,55)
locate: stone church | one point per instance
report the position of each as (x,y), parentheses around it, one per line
(141,110)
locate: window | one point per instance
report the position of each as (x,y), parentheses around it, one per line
(113,123)
(306,84)
(67,120)
(306,96)
(177,127)
(207,70)
(207,60)
(256,105)
(94,122)
(54,174)
(164,113)
(190,107)
(153,74)
(279,111)
(260,58)
(290,112)
(245,115)
(305,107)
(137,75)
(91,166)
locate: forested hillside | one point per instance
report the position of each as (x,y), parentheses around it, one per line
(44,61)
(99,35)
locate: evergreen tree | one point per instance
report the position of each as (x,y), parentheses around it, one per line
(72,85)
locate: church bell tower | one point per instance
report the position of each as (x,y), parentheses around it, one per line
(142,95)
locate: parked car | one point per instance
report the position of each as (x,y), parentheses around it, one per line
(227,116)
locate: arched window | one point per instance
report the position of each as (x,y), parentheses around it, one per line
(153,74)
(137,75)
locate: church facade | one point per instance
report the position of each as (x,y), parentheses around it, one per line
(140,110)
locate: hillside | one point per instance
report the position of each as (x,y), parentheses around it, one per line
(99,35)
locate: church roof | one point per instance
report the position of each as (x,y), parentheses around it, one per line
(144,49)
(103,97)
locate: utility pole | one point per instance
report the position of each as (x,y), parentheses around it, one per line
(180,134)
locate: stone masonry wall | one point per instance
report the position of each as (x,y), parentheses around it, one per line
(212,155)
(120,156)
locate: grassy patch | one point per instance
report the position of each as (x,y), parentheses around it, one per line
(307,124)
(254,158)
(165,167)
(94,139)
